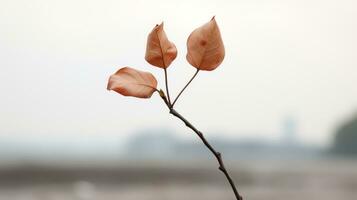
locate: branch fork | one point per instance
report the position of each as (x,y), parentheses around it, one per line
(205,52)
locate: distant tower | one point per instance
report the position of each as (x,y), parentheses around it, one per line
(289,131)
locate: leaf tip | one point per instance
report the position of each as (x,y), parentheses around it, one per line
(159,26)
(109,85)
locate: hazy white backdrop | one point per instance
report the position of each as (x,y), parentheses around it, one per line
(284,58)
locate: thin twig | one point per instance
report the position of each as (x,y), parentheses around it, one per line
(167,88)
(183,89)
(206,143)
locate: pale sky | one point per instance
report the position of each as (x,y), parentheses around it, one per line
(284,58)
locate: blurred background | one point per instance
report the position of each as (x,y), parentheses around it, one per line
(282,107)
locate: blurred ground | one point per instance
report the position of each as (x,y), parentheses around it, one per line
(256,180)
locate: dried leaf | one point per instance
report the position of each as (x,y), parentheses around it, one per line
(160,52)
(205,49)
(131,82)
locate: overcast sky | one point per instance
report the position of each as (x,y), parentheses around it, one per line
(284,58)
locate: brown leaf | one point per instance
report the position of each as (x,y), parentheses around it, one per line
(131,82)
(205,49)
(160,52)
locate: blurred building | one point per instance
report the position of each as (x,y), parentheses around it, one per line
(163,144)
(346,138)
